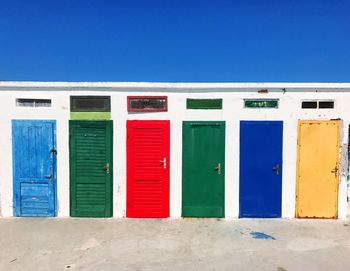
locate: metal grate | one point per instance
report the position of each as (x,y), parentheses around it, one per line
(147,103)
(326,104)
(309,104)
(317,104)
(90,103)
(33,102)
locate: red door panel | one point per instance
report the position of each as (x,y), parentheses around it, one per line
(148,168)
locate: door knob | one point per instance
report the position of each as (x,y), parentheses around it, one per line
(218,168)
(276,169)
(106,168)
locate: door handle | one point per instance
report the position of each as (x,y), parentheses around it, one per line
(276,169)
(49,176)
(218,168)
(106,168)
(163,162)
(335,171)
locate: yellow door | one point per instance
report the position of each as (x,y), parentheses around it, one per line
(317,169)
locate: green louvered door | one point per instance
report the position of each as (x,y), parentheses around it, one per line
(91,168)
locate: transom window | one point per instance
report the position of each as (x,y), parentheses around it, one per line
(147,103)
(261,103)
(90,103)
(24,102)
(204,103)
(317,104)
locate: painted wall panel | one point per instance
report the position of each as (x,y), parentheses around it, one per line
(260,186)
(90,115)
(34,161)
(318,169)
(203,169)
(91,168)
(148,164)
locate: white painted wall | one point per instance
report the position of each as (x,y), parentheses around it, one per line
(289,111)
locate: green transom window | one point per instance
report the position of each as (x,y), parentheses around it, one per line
(204,103)
(261,103)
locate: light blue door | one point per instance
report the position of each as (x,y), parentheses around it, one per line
(34,167)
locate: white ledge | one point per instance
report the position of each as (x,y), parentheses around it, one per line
(159,85)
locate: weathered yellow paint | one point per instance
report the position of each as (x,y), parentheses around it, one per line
(317,169)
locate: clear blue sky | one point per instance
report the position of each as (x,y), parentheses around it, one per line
(177,41)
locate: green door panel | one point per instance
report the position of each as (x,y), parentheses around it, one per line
(203,185)
(91,168)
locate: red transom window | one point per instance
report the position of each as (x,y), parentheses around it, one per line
(147,103)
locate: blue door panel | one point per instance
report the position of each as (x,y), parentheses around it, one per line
(260,188)
(35,199)
(34,167)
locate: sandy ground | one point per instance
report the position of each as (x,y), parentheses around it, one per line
(174,244)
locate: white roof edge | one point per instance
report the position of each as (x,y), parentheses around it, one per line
(160,85)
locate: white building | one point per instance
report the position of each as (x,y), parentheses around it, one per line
(174,149)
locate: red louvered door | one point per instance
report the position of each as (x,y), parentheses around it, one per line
(148,168)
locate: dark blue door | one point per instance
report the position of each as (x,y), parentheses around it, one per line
(260,186)
(34,167)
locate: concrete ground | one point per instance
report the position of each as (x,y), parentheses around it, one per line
(173,244)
